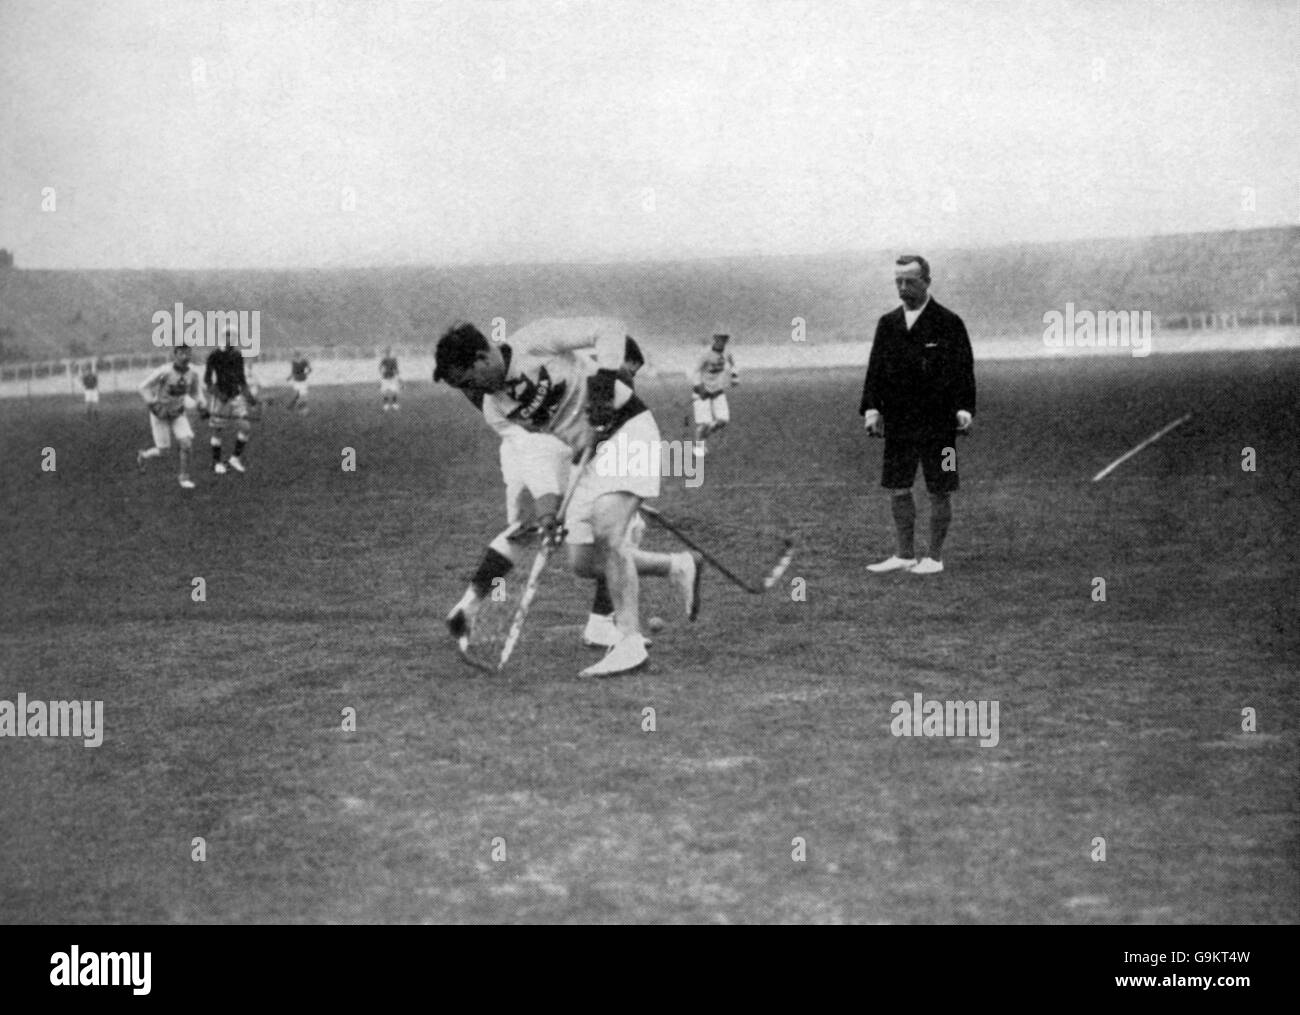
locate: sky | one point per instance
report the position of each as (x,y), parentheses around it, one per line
(229,134)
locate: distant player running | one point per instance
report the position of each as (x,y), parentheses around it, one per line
(561,377)
(230,398)
(90,385)
(390,382)
(169,391)
(299,371)
(714,376)
(535,468)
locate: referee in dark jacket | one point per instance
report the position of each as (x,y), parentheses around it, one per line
(919,392)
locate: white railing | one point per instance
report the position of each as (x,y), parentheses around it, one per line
(1174,333)
(124,372)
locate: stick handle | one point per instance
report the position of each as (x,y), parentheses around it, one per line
(720,567)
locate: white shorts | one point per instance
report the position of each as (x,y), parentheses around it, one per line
(390,386)
(163,429)
(533,465)
(300,387)
(92,396)
(640,476)
(712,410)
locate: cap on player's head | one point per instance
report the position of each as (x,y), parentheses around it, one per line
(720,339)
(908,263)
(457,350)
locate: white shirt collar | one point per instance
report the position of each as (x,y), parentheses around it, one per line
(910,316)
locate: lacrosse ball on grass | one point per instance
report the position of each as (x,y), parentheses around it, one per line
(656,625)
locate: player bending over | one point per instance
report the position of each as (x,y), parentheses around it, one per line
(230,397)
(715,374)
(535,468)
(390,383)
(562,377)
(169,391)
(299,371)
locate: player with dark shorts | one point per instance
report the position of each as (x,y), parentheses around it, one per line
(229,402)
(919,393)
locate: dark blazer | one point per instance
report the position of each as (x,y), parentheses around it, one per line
(918,379)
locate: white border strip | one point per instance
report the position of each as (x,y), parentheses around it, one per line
(1129,454)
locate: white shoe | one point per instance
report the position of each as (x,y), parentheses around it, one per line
(928,565)
(187,483)
(235,463)
(699,450)
(686,572)
(894,563)
(600,631)
(139,460)
(219,468)
(628,655)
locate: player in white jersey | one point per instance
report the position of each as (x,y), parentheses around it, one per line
(563,377)
(169,391)
(714,375)
(535,466)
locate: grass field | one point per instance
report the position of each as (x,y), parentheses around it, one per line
(325,591)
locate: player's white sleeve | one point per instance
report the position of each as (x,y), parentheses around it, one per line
(558,336)
(698,378)
(499,421)
(148,389)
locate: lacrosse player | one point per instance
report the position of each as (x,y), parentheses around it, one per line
(229,400)
(714,376)
(390,384)
(299,371)
(562,377)
(535,468)
(90,384)
(169,391)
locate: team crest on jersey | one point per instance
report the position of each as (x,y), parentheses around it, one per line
(536,400)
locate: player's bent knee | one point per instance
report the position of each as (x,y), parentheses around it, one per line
(611,516)
(585,561)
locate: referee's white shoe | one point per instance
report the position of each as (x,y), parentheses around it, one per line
(894,563)
(928,565)
(627,655)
